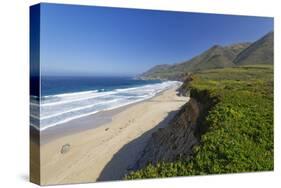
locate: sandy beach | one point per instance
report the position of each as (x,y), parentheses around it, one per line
(108,151)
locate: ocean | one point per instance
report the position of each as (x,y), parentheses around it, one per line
(67,98)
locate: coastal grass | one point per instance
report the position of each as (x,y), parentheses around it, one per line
(239,134)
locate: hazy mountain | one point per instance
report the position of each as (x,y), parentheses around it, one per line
(161,69)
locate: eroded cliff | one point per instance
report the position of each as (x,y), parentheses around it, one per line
(183,133)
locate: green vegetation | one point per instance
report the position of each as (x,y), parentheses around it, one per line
(259,52)
(239,135)
(215,57)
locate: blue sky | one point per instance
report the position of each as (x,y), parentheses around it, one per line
(86,40)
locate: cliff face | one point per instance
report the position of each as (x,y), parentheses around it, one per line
(184,132)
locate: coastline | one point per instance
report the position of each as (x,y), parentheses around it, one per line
(105,149)
(88,122)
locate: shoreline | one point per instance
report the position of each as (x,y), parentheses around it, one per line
(92,121)
(109,150)
(59,109)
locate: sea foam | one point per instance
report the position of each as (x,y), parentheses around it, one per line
(61,108)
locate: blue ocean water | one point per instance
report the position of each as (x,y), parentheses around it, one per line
(67,98)
(53,85)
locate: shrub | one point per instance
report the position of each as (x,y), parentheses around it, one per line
(239,137)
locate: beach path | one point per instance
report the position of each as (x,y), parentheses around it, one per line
(109,151)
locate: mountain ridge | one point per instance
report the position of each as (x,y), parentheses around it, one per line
(217,56)
(262,50)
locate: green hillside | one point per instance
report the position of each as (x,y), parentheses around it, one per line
(259,52)
(239,127)
(215,57)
